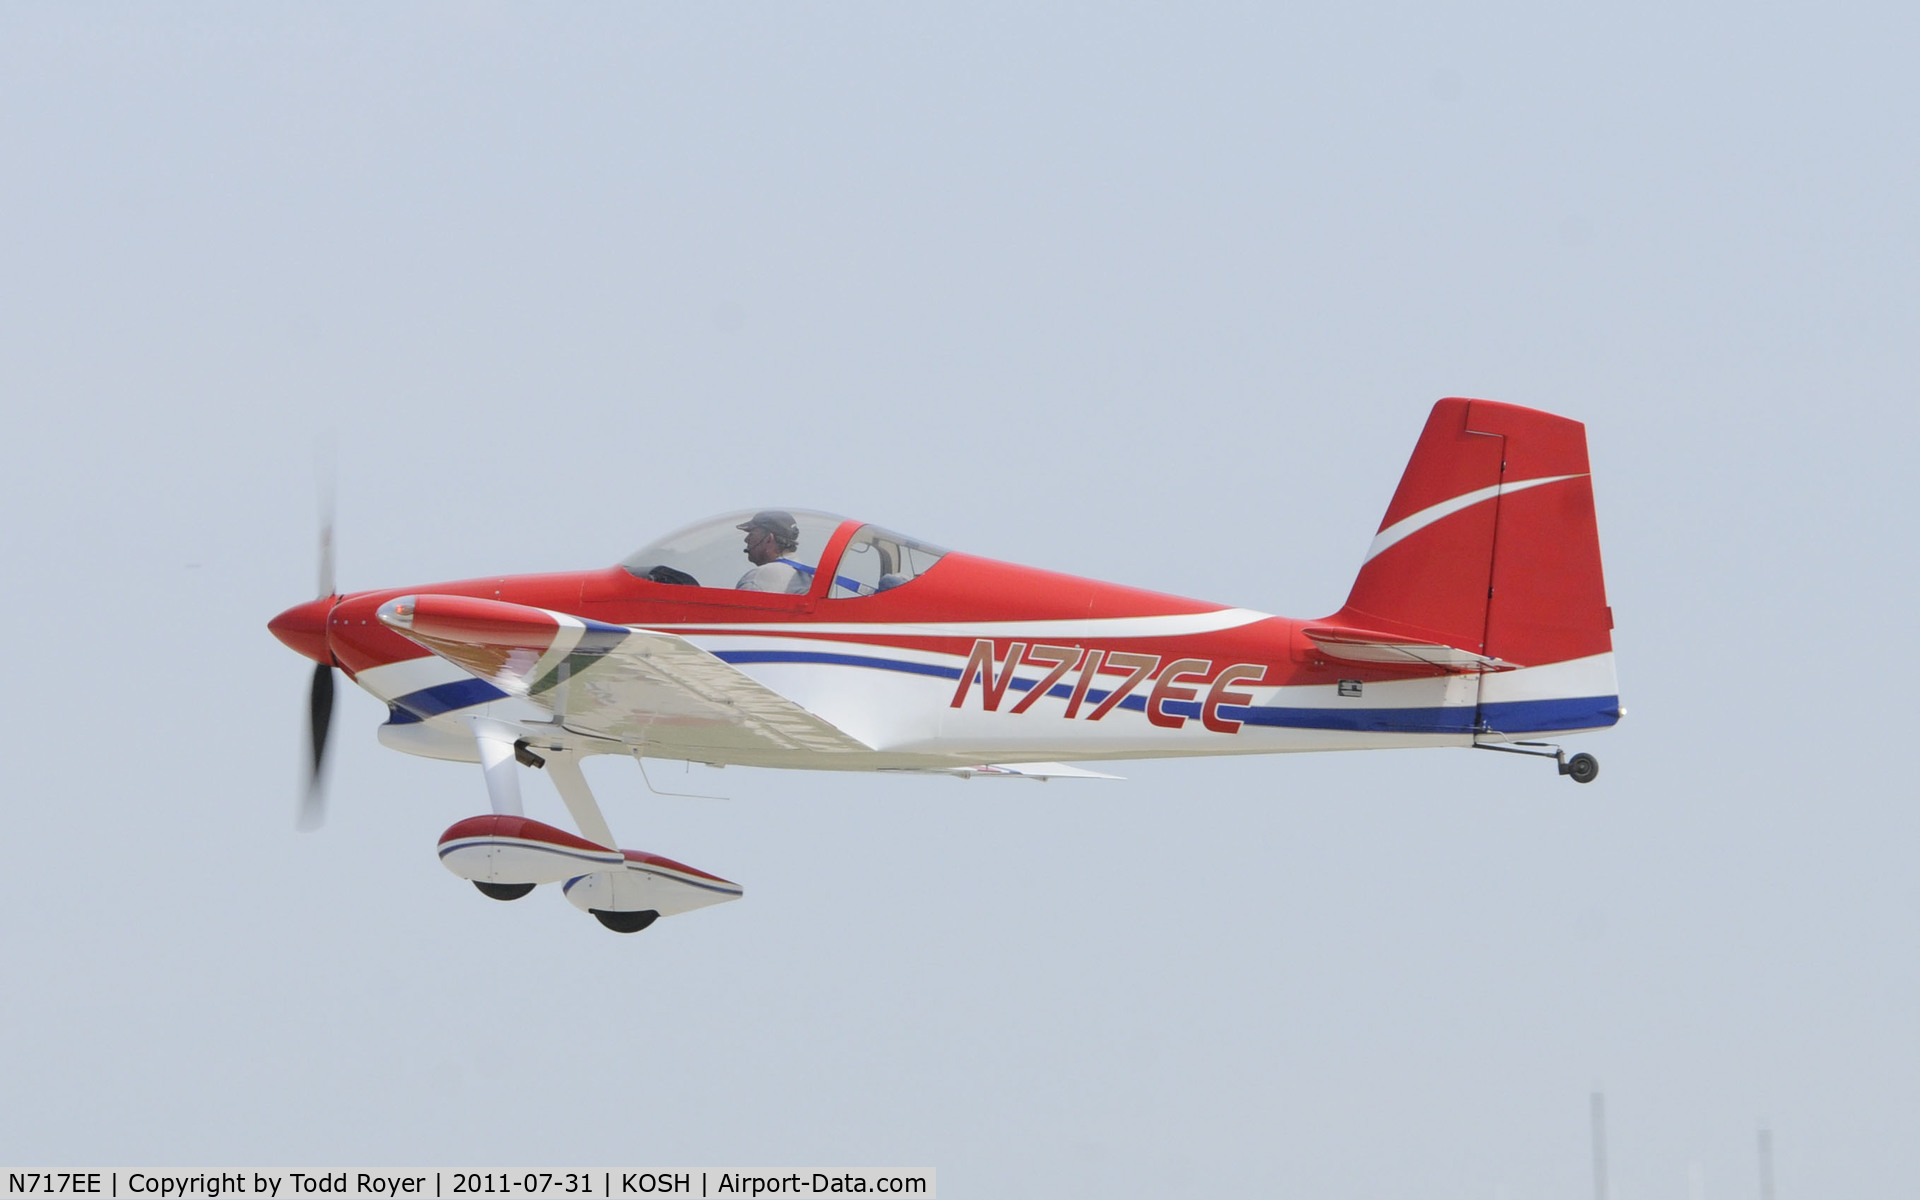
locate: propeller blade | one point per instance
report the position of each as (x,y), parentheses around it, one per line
(313,806)
(324,475)
(326,558)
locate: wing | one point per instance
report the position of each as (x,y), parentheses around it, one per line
(1372,646)
(634,685)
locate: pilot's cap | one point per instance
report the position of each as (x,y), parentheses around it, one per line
(780,524)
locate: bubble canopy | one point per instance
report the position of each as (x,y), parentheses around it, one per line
(714,553)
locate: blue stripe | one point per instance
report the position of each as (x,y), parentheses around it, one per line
(1544,716)
(1454,719)
(1518,716)
(465,693)
(738,657)
(445,697)
(529,844)
(1383,720)
(725,891)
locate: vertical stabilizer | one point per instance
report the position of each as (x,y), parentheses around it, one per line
(1428,570)
(1490,546)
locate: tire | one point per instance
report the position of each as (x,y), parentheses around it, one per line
(503,891)
(1583,768)
(625,922)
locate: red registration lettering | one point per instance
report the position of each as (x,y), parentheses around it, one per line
(980,663)
(1061,657)
(1218,694)
(1138,667)
(1165,689)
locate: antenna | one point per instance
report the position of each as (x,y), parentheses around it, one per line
(1766,1163)
(1599,1146)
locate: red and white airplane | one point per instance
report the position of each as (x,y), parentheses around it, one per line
(787,638)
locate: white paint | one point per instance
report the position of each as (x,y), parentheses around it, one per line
(1167,625)
(1406,527)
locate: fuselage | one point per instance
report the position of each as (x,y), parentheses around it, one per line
(971,661)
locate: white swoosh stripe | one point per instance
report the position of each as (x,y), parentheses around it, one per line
(1170,625)
(1406,527)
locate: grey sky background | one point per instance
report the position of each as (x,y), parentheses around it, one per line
(1150,294)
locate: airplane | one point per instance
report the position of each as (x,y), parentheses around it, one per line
(799,639)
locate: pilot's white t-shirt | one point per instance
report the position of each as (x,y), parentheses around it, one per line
(773,577)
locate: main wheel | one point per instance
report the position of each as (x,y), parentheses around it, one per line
(625,922)
(1584,768)
(503,891)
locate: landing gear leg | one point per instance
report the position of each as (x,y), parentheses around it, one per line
(564,769)
(1581,768)
(497,757)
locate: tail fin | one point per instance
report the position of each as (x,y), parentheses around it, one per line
(1490,547)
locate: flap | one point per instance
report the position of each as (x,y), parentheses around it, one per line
(1373,646)
(635,685)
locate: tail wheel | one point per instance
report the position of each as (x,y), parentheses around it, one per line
(503,891)
(1583,768)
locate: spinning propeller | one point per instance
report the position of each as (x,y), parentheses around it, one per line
(304,628)
(313,804)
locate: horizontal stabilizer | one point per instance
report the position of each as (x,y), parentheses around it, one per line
(1372,646)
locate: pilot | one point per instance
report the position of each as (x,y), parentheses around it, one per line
(771,536)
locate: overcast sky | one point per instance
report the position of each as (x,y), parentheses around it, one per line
(1156,294)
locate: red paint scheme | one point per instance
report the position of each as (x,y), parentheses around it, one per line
(1534,552)
(959,588)
(303,628)
(499,825)
(359,640)
(1519,579)
(470,619)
